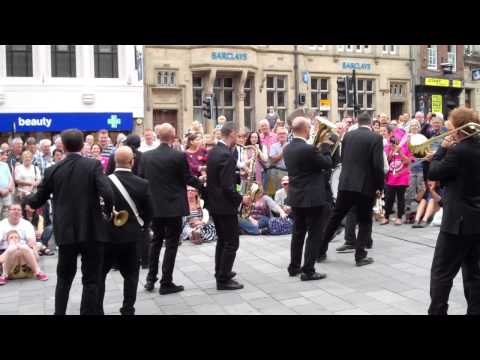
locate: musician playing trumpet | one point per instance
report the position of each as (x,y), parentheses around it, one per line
(455,164)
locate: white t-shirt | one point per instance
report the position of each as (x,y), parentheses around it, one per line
(23,174)
(144,147)
(24,228)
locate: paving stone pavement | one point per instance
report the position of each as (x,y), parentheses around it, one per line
(396,284)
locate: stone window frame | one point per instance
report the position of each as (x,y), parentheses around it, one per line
(13,67)
(432,54)
(324,93)
(280,110)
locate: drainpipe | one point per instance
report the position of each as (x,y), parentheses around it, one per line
(295,73)
(412,77)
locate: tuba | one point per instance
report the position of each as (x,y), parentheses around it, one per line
(324,129)
(420,145)
(251,187)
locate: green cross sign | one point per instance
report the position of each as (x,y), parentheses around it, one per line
(114,121)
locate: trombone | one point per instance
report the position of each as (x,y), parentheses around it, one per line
(420,145)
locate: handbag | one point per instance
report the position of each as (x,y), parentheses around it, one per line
(280,226)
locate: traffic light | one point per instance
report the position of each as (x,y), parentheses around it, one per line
(302,99)
(207,107)
(342,91)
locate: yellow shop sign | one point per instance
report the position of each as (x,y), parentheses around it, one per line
(437,82)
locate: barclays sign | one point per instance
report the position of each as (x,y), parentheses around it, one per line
(221,55)
(356,66)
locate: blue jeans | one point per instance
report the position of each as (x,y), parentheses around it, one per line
(47,234)
(252,229)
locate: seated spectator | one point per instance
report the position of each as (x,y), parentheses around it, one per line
(42,233)
(281,196)
(27,176)
(196,155)
(197,226)
(18,240)
(261,212)
(430,203)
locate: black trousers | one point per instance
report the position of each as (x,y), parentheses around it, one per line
(453,252)
(143,247)
(351,226)
(392,192)
(91,257)
(346,200)
(305,220)
(168,229)
(126,257)
(228,242)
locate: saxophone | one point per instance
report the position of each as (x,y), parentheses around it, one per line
(251,187)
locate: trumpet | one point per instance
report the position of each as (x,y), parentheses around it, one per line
(120,218)
(420,145)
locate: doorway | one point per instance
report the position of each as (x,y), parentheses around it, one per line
(396,109)
(161,116)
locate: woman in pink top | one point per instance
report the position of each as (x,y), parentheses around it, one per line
(398,175)
(96,152)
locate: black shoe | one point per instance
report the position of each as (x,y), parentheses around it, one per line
(321,258)
(170,289)
(149,286)
(294,273)
(313,276)
(369,246)
(345,248)
(364,261)
(229,285)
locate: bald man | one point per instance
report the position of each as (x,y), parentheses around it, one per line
(308,198)
(123,248)
(168,174)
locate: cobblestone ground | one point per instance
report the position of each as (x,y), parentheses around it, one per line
(396,284)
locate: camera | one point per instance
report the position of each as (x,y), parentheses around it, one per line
(393,140)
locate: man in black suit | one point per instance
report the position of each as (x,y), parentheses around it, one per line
(168,174)
(122,249)
(77,183)
(361,177)
(307,196)
(458,244)
(222,201)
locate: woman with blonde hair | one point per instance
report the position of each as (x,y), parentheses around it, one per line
(27,176)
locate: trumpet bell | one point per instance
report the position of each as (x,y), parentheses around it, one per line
(419,145)
(120,218)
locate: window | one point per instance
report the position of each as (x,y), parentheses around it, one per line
(349,48)
(319,91)
(106,61)
(197,85)
(397,90)
(224,99)
(340,48)
(63,61)
(468,50)
(366,48)
(358,48)
(384,49)
(393,49)
(452,56)
(248,104)
(19,60)
(166,78)
(389,49)
(365,97)
(277,94)
(432,57)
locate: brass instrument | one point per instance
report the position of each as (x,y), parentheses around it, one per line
(120,218)
(420,145)
(251,187)
(323,132)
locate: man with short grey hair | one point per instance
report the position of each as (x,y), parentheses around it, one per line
(15,156)
(44,158)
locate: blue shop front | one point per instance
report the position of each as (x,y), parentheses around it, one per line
(47,124)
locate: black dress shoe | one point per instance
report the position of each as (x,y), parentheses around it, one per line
(369,246)
(149,286)
(229,285)
(170,289)
(294,273)
(364,261)
(345,248)
(321,258)
(313,276)
(230,276)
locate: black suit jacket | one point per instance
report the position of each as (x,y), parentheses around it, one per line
(221,196)
(168,174)
(137,157)
(362,162)
(307,168)
(76,184)
(458,169)
(139,191)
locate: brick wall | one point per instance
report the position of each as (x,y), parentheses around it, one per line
(442,57)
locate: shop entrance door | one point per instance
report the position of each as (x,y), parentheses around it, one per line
(161,116)
(396,109)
